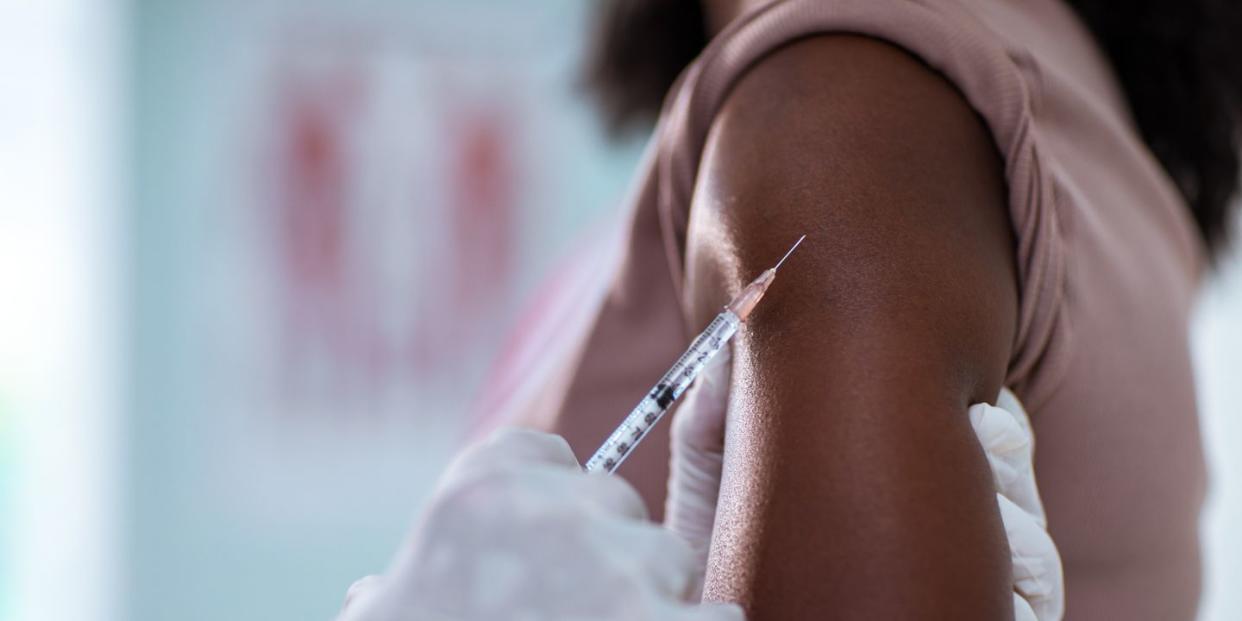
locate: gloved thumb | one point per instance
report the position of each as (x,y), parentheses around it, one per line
(1005,434)
(1022,610)
(1037,570)
(699,423)
(697,460)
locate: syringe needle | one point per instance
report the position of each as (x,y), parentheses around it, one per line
(745,301)
(653,406)
(791,249)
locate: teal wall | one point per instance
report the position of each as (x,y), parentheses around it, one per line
(241,505)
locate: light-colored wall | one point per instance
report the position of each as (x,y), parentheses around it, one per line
(61,97)
(286,414)
(1217,343)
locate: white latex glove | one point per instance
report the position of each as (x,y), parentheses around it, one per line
(1003,431)
(517,531)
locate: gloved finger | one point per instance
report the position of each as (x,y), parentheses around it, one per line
(361,586)
(1037,573)
(694,489)
(698,459)
(700,421)
(505,448)
(1009,402)
(359,597)
(1022,610)
(654,557)
(518,444)
(612,494)
(533,489)
(1007,441)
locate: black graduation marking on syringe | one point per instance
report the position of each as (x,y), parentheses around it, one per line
(665,394)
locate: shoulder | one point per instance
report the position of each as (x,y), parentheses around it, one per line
(893,176)
(856,96)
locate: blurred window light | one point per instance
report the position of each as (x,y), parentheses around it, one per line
(1217,343)
(60,81)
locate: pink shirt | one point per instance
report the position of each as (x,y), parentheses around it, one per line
(1108,262)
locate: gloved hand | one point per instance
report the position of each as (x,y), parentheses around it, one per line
(1003,431)
(517,531)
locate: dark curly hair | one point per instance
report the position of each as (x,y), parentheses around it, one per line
(1179,62)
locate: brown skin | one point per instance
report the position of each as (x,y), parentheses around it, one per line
(853,484)
(720,12)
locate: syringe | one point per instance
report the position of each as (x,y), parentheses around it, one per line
(675,382)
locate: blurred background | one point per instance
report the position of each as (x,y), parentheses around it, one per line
(256,259)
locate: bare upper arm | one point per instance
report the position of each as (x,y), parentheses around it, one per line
(853,482)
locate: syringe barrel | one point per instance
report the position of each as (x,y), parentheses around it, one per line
(659,399)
